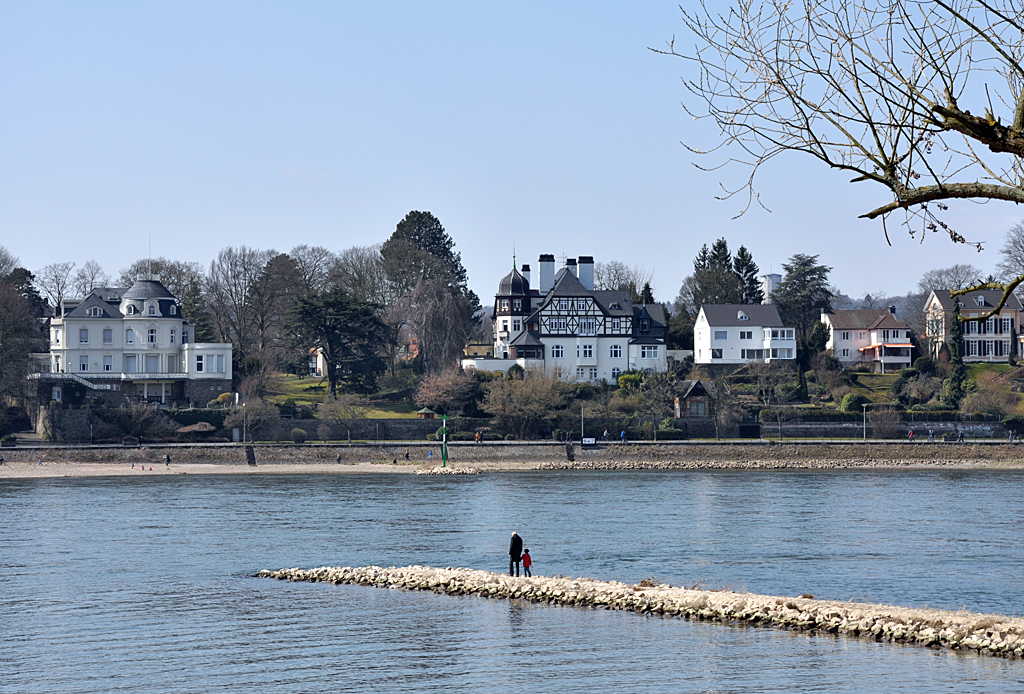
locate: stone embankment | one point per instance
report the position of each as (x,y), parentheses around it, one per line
(449,471)
(982,633)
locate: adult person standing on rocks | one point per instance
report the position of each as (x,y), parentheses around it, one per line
(515,553)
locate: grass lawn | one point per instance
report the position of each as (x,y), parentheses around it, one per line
(975,370)
(312,391)
(874,387)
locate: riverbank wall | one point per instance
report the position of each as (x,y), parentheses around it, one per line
(994,635)
(551,455)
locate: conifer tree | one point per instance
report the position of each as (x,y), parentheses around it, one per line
(957,372)
(746,272)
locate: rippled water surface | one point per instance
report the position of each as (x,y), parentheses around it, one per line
(143,585)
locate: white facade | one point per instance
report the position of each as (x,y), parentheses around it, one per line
(135,342)
(569,328)
(769,283)
(738,333)
(868,336)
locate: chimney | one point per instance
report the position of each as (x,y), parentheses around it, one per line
(547,273)
(526,273)
(892,309)
(570,265)
(586,269)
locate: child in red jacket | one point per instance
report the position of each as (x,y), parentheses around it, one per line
(527,563)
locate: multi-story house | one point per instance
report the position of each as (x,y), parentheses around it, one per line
(984,341)
(738,333)
(134,342)
(567,326)
(868,336)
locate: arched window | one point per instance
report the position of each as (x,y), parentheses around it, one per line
(129,336)
(83,336)
(174,310)
(95,311)
(131,310)
(152,310)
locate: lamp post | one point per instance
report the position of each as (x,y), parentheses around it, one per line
(864,407)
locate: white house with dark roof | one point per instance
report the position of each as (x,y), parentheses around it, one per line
(984,341)
(565,325)
(739,333)
(868,336)
(136,343)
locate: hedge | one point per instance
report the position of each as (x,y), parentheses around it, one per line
(199,414)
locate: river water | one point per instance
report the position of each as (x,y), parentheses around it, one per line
(143,585)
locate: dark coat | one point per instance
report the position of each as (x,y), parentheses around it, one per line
(515,548)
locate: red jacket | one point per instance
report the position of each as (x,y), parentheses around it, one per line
(527,562)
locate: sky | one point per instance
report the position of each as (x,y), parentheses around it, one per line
(544,126)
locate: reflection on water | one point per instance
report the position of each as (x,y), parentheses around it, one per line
(142,585)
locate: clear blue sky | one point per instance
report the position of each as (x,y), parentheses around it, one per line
(273,124)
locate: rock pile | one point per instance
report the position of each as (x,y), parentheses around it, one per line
(987,634)
(448,471)
(725,464)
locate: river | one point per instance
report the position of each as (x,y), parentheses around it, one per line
(143,585)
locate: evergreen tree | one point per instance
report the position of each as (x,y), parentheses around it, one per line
(746,272)
(803,293)
(720,256)
(957,372)
(647,294)
(703,259)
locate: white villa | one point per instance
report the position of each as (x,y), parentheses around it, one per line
(566,325)
(738,333)
(136,343)
(871,336)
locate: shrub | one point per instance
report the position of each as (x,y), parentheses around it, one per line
(213,404)
(909,373)
(1013,424)
(225,398)
(8,438)
(852,402)
(299,435)
(925,365)
(509,437)
(431,437)
(886,423)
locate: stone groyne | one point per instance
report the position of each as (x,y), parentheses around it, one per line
(982,633)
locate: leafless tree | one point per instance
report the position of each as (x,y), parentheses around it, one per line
(312,265)
(873,89)
(617,276)
(439,319)
(7,262)
(55,282)
(177,275)
(1012,252)
(953,278)
(270,296)
(228,290)
(89,277)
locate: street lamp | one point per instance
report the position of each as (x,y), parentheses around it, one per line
(864,406)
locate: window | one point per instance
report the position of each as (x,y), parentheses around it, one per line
(152,310)
(588,351)
(152,363)
(129,337)
(95,311)
(108,362)
(581,304)
(980,300)
(152,336)
(108,336)
(844,336)
(558,324)
(199,363)
(1006,325)
(615,352)
(588,326)
(616,373)
(174,310)
(990,325)
(516,325)
(184,337)
(557,352)
(83,336)
(721,334)
(752,353)
(616,324)
(56,337)
(580,372)
(697,409)
(130,310)
(645,325)
(746,334)
(504,303)
(593,373)
(563,304)
(172,336)
(651,352)
(740,315)
(517,304)
(504,326)
(716,354)
(83,363)
(844,353)
(220,363)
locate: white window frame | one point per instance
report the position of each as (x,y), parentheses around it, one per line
(649,351)
(616,372)
(129,337)
(721,334)
(108,362)
(615,352)
(199,364)
(588,351)
(616,324)
(563,304)
(83,362)
(108,336)
(152,310)
(557,352)
(151,336)
(83,332)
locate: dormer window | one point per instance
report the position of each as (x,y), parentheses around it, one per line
(645,325)
(980,300)
(131,310)
(517,304)
(174,310)
(152,310)
(740,315)
(95,311)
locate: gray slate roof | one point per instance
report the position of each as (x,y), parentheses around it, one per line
(148,289)
(110,309)
(727,315)
(991,300)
